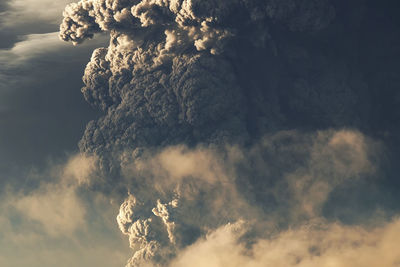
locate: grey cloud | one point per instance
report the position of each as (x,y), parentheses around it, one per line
(206,24)
(270,91)
(160,108)
(158,86)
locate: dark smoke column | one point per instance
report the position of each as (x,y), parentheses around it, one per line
(190,72)
(185,71)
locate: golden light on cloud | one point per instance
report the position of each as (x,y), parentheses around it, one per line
(314,245)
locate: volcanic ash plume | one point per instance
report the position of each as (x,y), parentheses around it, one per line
(173,72)
(220,112)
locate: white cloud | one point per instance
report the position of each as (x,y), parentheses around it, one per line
(23,12)
(34,57)
(46,45)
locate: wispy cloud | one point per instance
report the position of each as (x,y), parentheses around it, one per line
(317,244)
(22,12)
(55,224)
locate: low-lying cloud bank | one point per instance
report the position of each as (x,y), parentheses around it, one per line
(315,244)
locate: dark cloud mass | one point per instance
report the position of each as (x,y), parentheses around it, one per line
(221,111)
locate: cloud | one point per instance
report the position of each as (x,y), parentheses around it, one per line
(214,112)
(58,210)
(20,18)
(56,205)
(176,214)
(177,194)
(20,12)
(34,53)
(56,224)
(173,164)
(334,158)
(221,111)
(4,6)
(321,244)
(79,169)
(39,89)
(178,72)
(36,46)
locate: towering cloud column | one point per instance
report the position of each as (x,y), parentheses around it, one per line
(219,111)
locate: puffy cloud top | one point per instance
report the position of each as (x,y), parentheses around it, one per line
(228,76)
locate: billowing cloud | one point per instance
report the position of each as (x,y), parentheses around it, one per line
(179,194)
(216,112)
(180,72)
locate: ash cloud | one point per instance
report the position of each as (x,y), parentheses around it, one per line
(224,111)
(172,71)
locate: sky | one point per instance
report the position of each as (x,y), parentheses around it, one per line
(43,115)
(199,133)
(34,124)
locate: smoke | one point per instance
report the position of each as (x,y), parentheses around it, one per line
(217,112)
(173,73)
